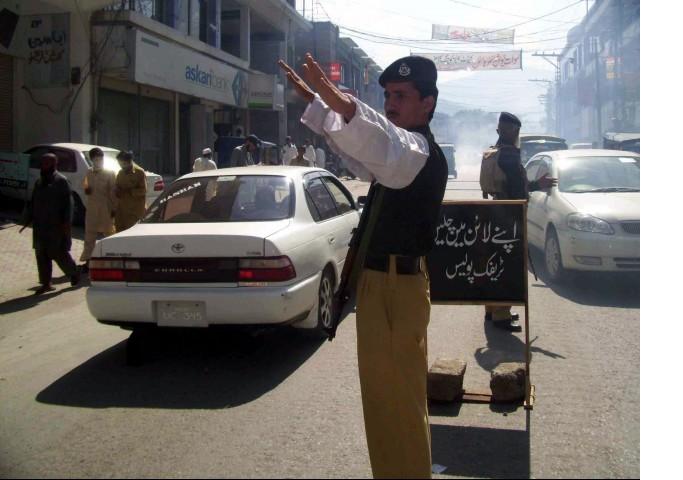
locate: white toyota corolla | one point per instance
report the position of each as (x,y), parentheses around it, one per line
(241,246)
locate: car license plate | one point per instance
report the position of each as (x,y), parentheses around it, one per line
(181,314)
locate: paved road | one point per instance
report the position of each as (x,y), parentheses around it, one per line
(284,405)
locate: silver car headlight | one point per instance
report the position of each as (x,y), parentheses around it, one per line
(588,223)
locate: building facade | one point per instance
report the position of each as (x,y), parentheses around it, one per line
(163,78)
(599,73)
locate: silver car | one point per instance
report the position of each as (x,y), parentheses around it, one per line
(591,220)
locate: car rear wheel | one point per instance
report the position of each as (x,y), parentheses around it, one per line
(325,297)
(553,257)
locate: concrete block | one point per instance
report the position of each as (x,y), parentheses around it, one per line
(508,382)
(445,378)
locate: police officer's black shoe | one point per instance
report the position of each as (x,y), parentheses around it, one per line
(510,324)
(44,288)
(514,316)
(75,279)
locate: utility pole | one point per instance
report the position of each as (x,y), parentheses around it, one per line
(598,97)
(543,99)
(555,63)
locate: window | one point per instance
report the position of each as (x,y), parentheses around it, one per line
(586,174)
(321,200)
(342,199)
(226,198)
(66,160)
(543,168)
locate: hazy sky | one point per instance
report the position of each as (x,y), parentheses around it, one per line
(489,90)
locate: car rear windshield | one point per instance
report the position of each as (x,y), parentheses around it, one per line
(226,198)
(599,174)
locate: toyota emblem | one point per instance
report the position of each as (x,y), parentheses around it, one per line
(178,248)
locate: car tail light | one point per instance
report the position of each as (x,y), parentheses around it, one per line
(273,269)
(159,185)
(113,270)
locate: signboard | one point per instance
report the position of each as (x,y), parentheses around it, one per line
(47,44)
(472,35)
(14,170)
(480,253)
(335,72)
(511,60)
(162,64)
(265,92)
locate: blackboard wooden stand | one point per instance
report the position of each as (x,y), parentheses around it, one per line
(507,275)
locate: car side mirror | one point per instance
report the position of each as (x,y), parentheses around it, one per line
(362,200)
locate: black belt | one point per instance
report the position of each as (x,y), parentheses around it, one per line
(404,265)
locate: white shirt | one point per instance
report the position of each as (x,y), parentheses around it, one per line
(310,155)
(289,153)
(370,145)
(320,158)
(201,164)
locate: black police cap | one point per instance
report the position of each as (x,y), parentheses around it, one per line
(507,117)
(410,69)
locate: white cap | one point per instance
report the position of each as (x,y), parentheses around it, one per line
(206,151)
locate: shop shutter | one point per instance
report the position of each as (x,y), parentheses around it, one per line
(6,100)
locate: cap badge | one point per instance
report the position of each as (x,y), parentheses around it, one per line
(404,70)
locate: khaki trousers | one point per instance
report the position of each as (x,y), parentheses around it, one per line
(498,313)
(392,315)
(91,236)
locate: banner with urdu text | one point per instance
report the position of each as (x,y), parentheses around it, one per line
(511,60)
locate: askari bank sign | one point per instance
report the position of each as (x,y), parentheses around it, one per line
(173,67)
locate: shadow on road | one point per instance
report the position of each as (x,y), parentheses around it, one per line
(29,301)
(600,289)
(474,452)
(502,346)
(188,369)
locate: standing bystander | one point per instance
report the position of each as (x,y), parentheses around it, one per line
(131,190)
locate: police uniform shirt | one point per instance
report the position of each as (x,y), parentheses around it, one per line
(408,163)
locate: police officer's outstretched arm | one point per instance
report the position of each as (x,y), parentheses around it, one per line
(392,155)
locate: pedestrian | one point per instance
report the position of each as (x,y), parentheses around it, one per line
(99,186)
(503,177)
(288,152)
(205,162)
(310,153)
(49,210)
(300,160)
(319,157)
(131,192)
(243,155)
(397,152)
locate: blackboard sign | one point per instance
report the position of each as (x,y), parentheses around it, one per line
(480,253)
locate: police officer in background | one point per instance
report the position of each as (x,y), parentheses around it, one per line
(503,177)
(397,152)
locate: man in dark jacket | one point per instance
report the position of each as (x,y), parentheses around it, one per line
(50,213)
(504,178)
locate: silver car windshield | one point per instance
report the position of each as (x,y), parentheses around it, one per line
(226,198)
(599,174)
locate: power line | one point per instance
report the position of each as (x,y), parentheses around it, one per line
(502,13)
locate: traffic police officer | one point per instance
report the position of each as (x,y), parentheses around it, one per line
(409,173)
(503,177)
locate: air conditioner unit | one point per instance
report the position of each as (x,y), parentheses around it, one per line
(238,130)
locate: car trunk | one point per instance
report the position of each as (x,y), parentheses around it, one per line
(189,253)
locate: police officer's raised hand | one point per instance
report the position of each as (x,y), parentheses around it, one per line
(546,182)
(299,85)
(331,95)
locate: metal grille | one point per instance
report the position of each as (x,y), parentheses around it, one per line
(631,227)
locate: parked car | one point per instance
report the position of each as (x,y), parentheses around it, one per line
(591,220)
(73,162)
(258,245)
(622,141)
(449,151)
(531,144)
